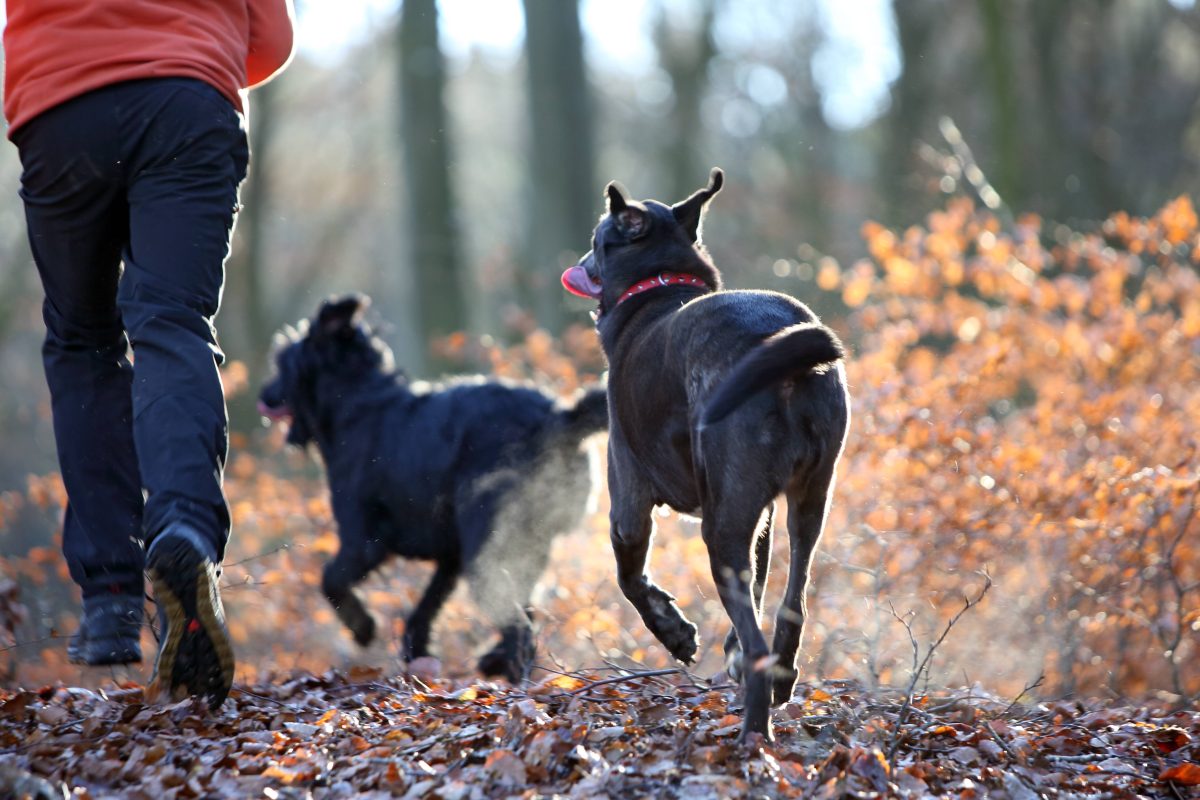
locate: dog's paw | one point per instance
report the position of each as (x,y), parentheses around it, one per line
(681,639)
(734,660)
(357,620)
(364,630)
(507,660)
(783,684)
(670,627)
(757,712)
(734,664)
(497,662)
(754,741)
(685,644)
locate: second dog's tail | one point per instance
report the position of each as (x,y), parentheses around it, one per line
(589,414)
(790,353)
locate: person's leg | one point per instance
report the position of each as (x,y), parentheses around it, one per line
(190,157)
(77,223)
(186,159)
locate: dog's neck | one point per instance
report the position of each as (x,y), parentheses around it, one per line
(624,322)
(665,278)
(704,277)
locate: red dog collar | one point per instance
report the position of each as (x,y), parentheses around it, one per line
(661,279)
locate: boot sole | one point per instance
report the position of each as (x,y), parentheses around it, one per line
(195,656)
(121,653)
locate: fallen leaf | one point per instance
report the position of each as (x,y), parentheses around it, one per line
(965,755)
(1185,774)
(505,768)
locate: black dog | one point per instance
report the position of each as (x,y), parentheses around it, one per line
(477,476)
(720,401)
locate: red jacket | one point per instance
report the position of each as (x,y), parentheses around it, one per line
(55,50)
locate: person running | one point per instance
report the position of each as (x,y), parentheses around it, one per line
(130,120)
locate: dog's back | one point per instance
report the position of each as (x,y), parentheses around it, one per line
(479,425)
(767,405)
(745,342)
(706,372)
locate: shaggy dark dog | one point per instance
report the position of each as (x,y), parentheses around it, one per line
(720,402)
(477,476)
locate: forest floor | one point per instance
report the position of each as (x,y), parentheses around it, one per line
(609,733)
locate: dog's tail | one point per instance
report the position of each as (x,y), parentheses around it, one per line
(588,415)
(791,353)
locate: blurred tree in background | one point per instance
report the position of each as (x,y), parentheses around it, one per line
(1074,108)
(433,229)
(685,54)
(246,307)
(560,201)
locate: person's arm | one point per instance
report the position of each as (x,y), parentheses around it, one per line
(271,39)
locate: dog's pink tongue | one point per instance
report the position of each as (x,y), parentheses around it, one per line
(576,281)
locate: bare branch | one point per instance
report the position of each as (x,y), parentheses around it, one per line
(921,667)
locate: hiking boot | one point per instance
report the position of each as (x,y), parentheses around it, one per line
(195,655)
(110,631)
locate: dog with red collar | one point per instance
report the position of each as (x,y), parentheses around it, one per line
(719,402)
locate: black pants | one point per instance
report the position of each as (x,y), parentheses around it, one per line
(144,173)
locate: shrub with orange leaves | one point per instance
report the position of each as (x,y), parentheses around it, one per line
(1029,410)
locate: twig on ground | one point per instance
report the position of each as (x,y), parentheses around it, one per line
(921,666)
(1029,687)
(434,741)
(257,556)
(1000,741)
(1082,758)
(265,698)
(653,673)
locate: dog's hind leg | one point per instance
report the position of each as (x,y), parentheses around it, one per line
(502,589)
(506,551)
(341,575)
(808,505)
(762,567)
(420,622)
(513,655)
(730,530)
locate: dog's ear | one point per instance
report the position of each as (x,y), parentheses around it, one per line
(689,213)
(630,217)
(339,317)
(618,199)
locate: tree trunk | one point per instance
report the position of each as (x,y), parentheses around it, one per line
(252,324)
(432,230)
(998,60)
(565,199)
(916,29)
(1048,23)
(685,57)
